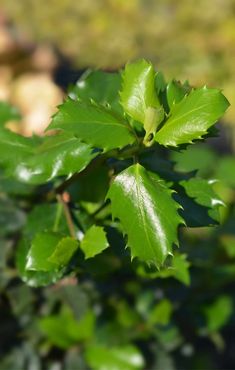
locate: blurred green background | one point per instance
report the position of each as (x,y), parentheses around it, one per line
(164,323)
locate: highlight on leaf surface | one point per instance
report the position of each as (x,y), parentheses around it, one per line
(147,212)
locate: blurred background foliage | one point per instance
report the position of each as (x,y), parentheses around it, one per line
(135,320)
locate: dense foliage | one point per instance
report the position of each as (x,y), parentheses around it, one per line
(94,207)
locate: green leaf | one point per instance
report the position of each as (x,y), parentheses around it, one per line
(175,92)
(218,313)
(63,251)
(14,148)
(93,124)
(58,155)
(192,117)
(63,330)
(126,357)
(34,278)
(202,192)
(102,87)
(94,241)
(148,214)
(8,113)
(49,251)
(225,170)
(228,242)
(138,95)
(161,313)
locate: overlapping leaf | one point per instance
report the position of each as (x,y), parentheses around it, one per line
(147,212)
(192,117)
(93,124)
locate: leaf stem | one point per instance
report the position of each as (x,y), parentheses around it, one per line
(67,215)
(58,216)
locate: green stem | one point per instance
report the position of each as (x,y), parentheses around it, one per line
(67,215)
(58,216)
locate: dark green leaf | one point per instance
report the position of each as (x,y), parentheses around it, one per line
(140,200)
(93,124)
(58,155)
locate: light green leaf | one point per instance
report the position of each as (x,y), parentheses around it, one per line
(50,251)
(63,252)
(202,192)
(94,241)
(100,86)
(126,357)
(161,313)
(43,245)
(218,313)
(63,330)
(58,155)
(147,212)
(34,278)
(192,117)
(138,95)
(93,124)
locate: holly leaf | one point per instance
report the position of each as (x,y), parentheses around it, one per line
(147,212)
(93,124)
(191,118)
(203,194)
(49,251)
(100,86)
(58,155)
(94,241)
(138,95)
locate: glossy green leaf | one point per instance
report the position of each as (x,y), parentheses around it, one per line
(202,192)
(191,118)
(102,87)
(140,200)
(43,245)
(138,95)
(34,278)
(8,113)
(58,155)
(63,330)
(94,241)
(49,251)
(126,357)
(93,124)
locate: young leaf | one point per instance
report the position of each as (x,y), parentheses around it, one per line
(58,155)
(147,212)
(192,117)
(93,124)
(175,92)
(63,251)
(138,95)
(94,241)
